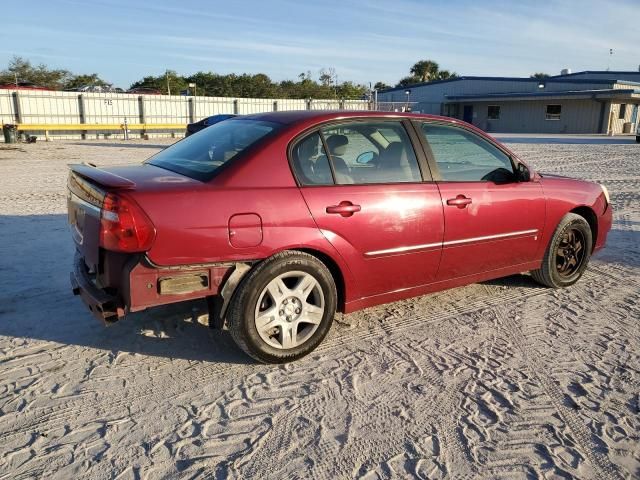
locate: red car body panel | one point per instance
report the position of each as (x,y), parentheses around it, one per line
(405,240)
(392,217)
(515,210)
(564,194)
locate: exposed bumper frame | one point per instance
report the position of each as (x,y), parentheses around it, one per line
(103,306)
(139,276)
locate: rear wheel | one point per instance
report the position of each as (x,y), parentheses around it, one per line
(283,308)
(567,254)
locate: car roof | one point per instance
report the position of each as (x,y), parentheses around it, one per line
(301,119)
(312,116)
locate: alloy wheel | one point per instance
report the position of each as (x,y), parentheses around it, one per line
(289,310)
(570,253)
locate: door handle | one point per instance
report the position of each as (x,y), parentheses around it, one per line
(460,201)
(345,209)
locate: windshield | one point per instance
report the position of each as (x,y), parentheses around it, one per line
(201,154)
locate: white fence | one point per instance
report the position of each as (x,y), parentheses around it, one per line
(71,108)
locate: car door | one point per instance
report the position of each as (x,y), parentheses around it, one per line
(363,184)
(492,220)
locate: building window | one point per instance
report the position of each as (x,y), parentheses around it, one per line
(493,112)
(450,110)
(623,111)
(553,112)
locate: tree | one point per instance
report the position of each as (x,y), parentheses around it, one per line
(425,70)
(540,75)
(327,76)
(446,75)
(351,90)
(175,83)
(22,69)
(406,81)
(256,85)
(77,81)
(381,86)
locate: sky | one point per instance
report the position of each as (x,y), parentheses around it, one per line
(364,40)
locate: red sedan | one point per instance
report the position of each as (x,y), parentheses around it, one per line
(281,219)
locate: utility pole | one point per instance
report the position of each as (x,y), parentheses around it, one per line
(168,87)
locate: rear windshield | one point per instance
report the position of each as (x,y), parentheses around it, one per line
(201,154)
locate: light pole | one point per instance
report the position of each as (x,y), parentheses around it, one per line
(408,94)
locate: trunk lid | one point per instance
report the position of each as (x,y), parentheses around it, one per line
(87,188)
(84,203)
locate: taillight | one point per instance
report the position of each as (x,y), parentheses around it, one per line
(124,227)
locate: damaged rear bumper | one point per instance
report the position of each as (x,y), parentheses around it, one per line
(103,305)
(135,283)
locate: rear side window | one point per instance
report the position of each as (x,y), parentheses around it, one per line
(367,152)
(356,153)
(462,156)
(310,162)
(201,154)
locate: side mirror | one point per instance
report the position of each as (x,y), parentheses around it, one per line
(365,158)
(522,172)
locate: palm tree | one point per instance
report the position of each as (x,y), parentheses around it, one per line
(406,81)
(446,75)
(540,75)
(425,70)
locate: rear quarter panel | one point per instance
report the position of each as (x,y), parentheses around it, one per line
(193,226)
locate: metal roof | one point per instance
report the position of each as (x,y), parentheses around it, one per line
(604,93)
(591,81)
(598,72)
(457,79)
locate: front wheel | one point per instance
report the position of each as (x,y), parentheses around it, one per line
(568,253)
(284,308)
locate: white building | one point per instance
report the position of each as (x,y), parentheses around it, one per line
(582,102)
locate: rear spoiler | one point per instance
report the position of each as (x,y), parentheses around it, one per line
(101,177)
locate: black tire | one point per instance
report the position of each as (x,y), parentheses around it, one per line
(552,272)
(241,316)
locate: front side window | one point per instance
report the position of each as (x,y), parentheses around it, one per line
(462,156)
(201,154)
(371,152)
(493,112)
(553,112)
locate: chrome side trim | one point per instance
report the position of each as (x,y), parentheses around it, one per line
(189,266)
(450,243)
(411,248)
(490,237)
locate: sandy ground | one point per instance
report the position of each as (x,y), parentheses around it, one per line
(502,379)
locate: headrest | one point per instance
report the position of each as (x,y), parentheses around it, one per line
(308,148)
(394,148)
(337,144)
